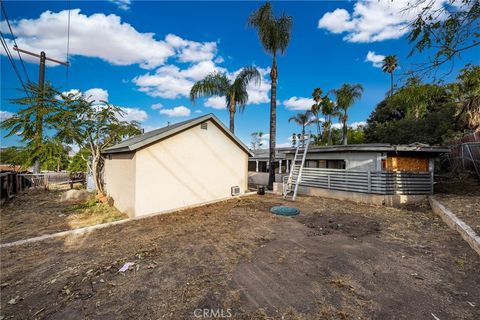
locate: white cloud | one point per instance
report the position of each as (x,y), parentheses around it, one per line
(219,60)
(377,20)
(358,124)
(353,125)
(192,51)
(180,111)
(172,82)
(216,102)
(198,111)
(298,103)
(4,115)
(105,37)
(375,59)
(134,114)
(97,95)
(156,106)
(98,35)
(122,4)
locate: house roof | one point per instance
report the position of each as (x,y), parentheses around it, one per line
(147,138)
(377,147)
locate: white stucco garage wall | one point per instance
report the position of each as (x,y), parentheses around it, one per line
(191,167)
(119,181)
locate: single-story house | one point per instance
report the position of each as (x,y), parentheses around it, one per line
(184,164)
(372,157)
(373,173)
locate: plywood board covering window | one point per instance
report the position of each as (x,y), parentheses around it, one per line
(406,163)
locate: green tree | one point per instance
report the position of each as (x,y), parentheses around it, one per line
(389,65)
(302,119)
(356,135)
(466,93)
(94,128)
(448,30)
(274,34)
(79,161)
(346,96)
(317,108)
(329,111)
(416,112)
(294,139)
(33,120)
(17,157)
(235,92)
(55,156)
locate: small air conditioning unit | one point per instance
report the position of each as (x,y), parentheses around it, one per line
(235,191)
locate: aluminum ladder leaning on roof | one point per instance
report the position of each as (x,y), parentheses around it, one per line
(295,176)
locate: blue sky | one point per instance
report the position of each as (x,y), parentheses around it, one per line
(144,54)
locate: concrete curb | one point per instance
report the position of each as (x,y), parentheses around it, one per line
(89,229)
(455,223)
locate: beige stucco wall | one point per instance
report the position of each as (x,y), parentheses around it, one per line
(192,167)
(119,177)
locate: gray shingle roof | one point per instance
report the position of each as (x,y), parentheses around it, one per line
(147,138)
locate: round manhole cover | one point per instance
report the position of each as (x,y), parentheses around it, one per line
(284,211)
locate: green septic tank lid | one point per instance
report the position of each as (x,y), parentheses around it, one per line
(284,211)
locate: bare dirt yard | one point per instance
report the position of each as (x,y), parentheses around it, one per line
(462,197)
(336,260)
(37,212)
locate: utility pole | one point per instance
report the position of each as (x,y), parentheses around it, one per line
(41,86)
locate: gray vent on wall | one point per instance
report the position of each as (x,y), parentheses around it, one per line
(235,191)
(204,125)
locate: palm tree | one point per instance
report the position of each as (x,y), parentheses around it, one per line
(274,34)
(328,110)
(346,97)
(256,140)
(235,92)
(302,119)
(317,108)
(389,65)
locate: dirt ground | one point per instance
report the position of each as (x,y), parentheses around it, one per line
(462,197)
(336,260)
(37,212)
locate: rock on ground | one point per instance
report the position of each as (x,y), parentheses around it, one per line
(75,195)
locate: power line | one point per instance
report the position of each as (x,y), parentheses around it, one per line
(14,40)
(12,62)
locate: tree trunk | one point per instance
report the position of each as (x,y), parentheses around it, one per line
(391,84)
(329,140)
(303,135)
(273,121)
(232,117)
(345,128)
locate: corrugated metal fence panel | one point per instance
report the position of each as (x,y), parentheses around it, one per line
(376,182)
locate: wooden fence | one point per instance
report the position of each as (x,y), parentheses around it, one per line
(13,183)
(375,182)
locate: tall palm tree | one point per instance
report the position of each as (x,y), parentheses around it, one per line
(302,119)
(329,111)
(390,63)
(317,108)
(235,92)
(274,34)
(346,97)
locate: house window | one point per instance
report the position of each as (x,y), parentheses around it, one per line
(336,164)
(204,126)
(311,163)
